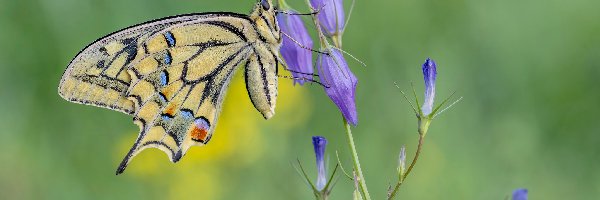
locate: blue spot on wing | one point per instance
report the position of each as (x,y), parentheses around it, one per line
(170,38)
(168,58)
(202,123)
(187,114)
(164,78)
(166,118)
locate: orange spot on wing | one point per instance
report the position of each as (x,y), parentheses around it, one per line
(167,92)
(170,110)
(199,134)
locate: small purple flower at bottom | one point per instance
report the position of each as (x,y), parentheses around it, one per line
(429,74)
(340,83)
(331,15)
(402,161)
(297,58)
(520,194)
(320,143)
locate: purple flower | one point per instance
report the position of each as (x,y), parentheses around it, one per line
(340,83)
(402,161)
(298,59)
(319,143)
(429,74)
(331,15)
(520,194)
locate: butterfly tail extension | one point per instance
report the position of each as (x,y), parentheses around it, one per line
(153,137)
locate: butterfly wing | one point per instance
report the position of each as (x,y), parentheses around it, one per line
(178,87)
(97,75)
(179,90)
(171,75)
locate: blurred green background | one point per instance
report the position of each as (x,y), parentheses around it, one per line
(528,70)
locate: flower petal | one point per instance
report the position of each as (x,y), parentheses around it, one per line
(319,144)
(340,83)
(331,15)
(520,194)
(297,59)
(429,74)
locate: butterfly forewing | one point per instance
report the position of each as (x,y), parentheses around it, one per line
(97,76)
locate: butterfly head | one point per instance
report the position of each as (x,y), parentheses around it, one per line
(266,4)
(263,16)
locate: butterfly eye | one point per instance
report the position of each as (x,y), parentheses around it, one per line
(265,4)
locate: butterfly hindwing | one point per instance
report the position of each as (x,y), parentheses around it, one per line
(178,88)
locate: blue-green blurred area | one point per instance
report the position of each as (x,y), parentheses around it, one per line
(528,71)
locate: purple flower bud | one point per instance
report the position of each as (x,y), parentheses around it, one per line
(331,15)
(520,194)
(319,143)
(298,59)
(429,74)
(340,83)
(402,161)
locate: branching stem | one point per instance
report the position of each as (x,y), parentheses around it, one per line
(412,164)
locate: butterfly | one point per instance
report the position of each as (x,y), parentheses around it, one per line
(171,74)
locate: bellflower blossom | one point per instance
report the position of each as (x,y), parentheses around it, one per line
(340,83)
(319,143)
(297,58)
(429,74)
(331,15)
(520,194)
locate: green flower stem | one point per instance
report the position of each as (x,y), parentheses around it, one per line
(359,175)
(321,196)
(337,40)
(412,164)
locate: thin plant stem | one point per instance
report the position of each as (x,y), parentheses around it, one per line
(412,164)
(341,167)
(319,196)
(361,178)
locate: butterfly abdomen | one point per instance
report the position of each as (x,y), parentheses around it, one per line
(261,68)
